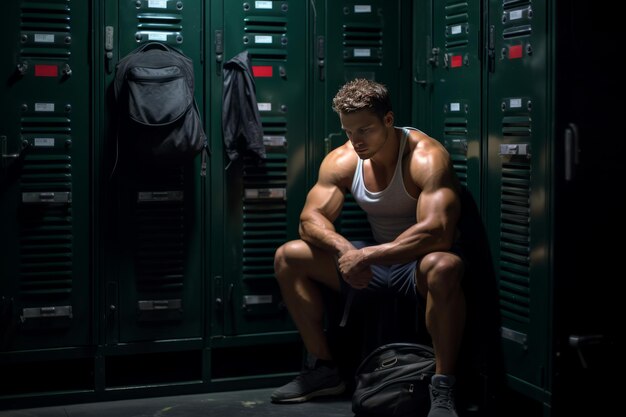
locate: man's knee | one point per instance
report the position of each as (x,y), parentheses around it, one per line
(444,272)
(285,255)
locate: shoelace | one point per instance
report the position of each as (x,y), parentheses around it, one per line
(442,398)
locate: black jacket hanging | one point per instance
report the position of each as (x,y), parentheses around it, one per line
(241,120)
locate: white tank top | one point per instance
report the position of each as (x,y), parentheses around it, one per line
(392,210)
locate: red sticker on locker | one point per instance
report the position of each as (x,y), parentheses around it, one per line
(456,61)
(46,71)
(515,51)
(262,70)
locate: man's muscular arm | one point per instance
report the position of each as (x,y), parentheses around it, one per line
(324,202)
(438,210)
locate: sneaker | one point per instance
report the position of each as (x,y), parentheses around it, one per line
(315,380)
(442,397)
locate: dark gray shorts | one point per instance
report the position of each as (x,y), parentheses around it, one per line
(392,279)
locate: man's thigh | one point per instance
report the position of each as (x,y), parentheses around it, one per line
(317,264)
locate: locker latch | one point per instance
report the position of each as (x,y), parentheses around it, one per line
(515,149)
(3,147)
(45,312)
(434,57)
(249,300)
(108,48)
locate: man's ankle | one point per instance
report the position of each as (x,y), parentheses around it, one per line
(443,380)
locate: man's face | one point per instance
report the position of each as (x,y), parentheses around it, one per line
(366,131)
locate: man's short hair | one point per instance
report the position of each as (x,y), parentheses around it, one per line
(362,94)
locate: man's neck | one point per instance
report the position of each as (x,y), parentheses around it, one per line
(388,154)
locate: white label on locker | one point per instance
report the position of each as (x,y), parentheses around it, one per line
(264,106)
(44,38)
(274,141)
(262,4)
(44,106)
(156,36)
(362,8)
(456,29)
(515,103)
(515,14)
(358,52)
(455,106)
(157,4)
(44,142)
(262,39)
(257,299)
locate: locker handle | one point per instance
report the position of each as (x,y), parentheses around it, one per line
(46,312)
(219,51)
(321,55)
(491,49)
(579,342)
(515,149)
(4,145)
(571,150)
(108,47)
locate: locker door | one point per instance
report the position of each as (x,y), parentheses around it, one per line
(45,290)
(456,94)
(517,184)
(263,201)
(370,39)
(153,289)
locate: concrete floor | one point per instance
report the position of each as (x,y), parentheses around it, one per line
(223,404)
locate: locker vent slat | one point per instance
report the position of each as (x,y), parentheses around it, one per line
(46,229)
(265,206)
(457,20)
(455,140)
(160,24)
(514,264)
(45,30)
(363,43)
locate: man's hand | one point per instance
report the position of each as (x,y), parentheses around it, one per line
(353,271)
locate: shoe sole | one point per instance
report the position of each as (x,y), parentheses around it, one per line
(339,389)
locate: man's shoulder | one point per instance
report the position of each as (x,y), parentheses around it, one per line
(342,157)
(421,143)
(340,163)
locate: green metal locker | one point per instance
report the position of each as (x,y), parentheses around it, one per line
(456,86)
(262,201)
(44,179)
(551,118)
(151,218)
(46,299)
(516,186)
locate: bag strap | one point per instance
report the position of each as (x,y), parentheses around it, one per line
(346,308)
(153,45)
(424,350)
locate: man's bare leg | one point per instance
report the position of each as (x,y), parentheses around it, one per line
(439,281)
(299,268)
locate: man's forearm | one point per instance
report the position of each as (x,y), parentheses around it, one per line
(324,237)
(406,248)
